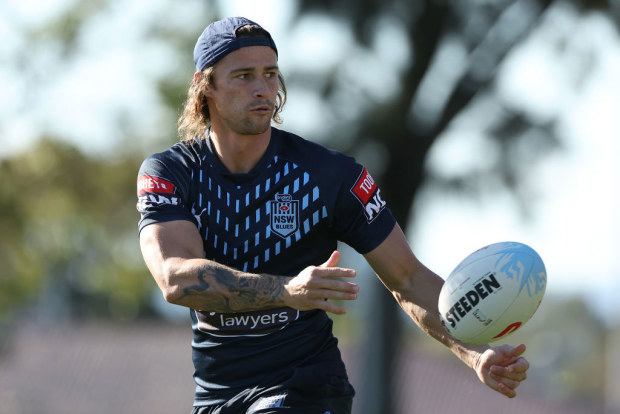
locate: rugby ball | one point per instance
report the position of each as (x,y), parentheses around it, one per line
(492,293)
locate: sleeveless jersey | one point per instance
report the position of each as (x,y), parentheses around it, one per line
(287,213)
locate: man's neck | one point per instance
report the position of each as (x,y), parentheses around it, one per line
(240,153)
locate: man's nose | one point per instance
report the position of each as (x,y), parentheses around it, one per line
(261,87)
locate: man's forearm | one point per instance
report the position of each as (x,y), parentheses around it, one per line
(206,285)
(424,311)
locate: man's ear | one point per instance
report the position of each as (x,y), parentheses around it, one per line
(196,75)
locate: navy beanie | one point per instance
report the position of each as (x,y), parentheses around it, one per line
(220,38)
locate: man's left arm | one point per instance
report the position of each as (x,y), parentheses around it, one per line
(416,288)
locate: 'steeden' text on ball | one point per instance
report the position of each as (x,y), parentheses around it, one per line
(469,300)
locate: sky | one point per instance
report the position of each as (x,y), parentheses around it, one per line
(575,225)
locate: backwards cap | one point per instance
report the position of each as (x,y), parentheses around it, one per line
(220,38)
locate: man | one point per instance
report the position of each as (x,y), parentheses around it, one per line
(240,223)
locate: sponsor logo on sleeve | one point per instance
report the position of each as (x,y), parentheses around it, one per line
(154,200)
(148,184)
(369,195)
(153,191)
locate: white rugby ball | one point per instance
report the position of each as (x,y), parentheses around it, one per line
(492,292)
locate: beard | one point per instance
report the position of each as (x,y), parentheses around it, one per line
(251,126)
(250,123)
(244,118)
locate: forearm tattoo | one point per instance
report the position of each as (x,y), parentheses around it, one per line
(224,290)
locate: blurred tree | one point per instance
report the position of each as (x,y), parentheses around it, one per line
(68,228)
(455,50)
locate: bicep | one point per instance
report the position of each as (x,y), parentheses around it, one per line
(164,242)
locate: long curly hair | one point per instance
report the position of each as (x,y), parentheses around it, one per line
(195,118)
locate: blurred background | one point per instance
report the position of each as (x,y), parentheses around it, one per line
(481,121)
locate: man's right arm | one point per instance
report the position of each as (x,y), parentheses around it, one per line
(173,253)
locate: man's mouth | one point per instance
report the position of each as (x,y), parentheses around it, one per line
(262,109)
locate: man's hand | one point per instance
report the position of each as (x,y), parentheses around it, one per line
(312,288)
(503,368)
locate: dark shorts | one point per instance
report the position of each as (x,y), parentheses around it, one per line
(307,391)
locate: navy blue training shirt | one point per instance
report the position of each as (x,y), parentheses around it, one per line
(286,214)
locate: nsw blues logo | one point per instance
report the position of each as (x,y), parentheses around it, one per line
(284,215)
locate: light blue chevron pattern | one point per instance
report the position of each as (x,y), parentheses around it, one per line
(235,221)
